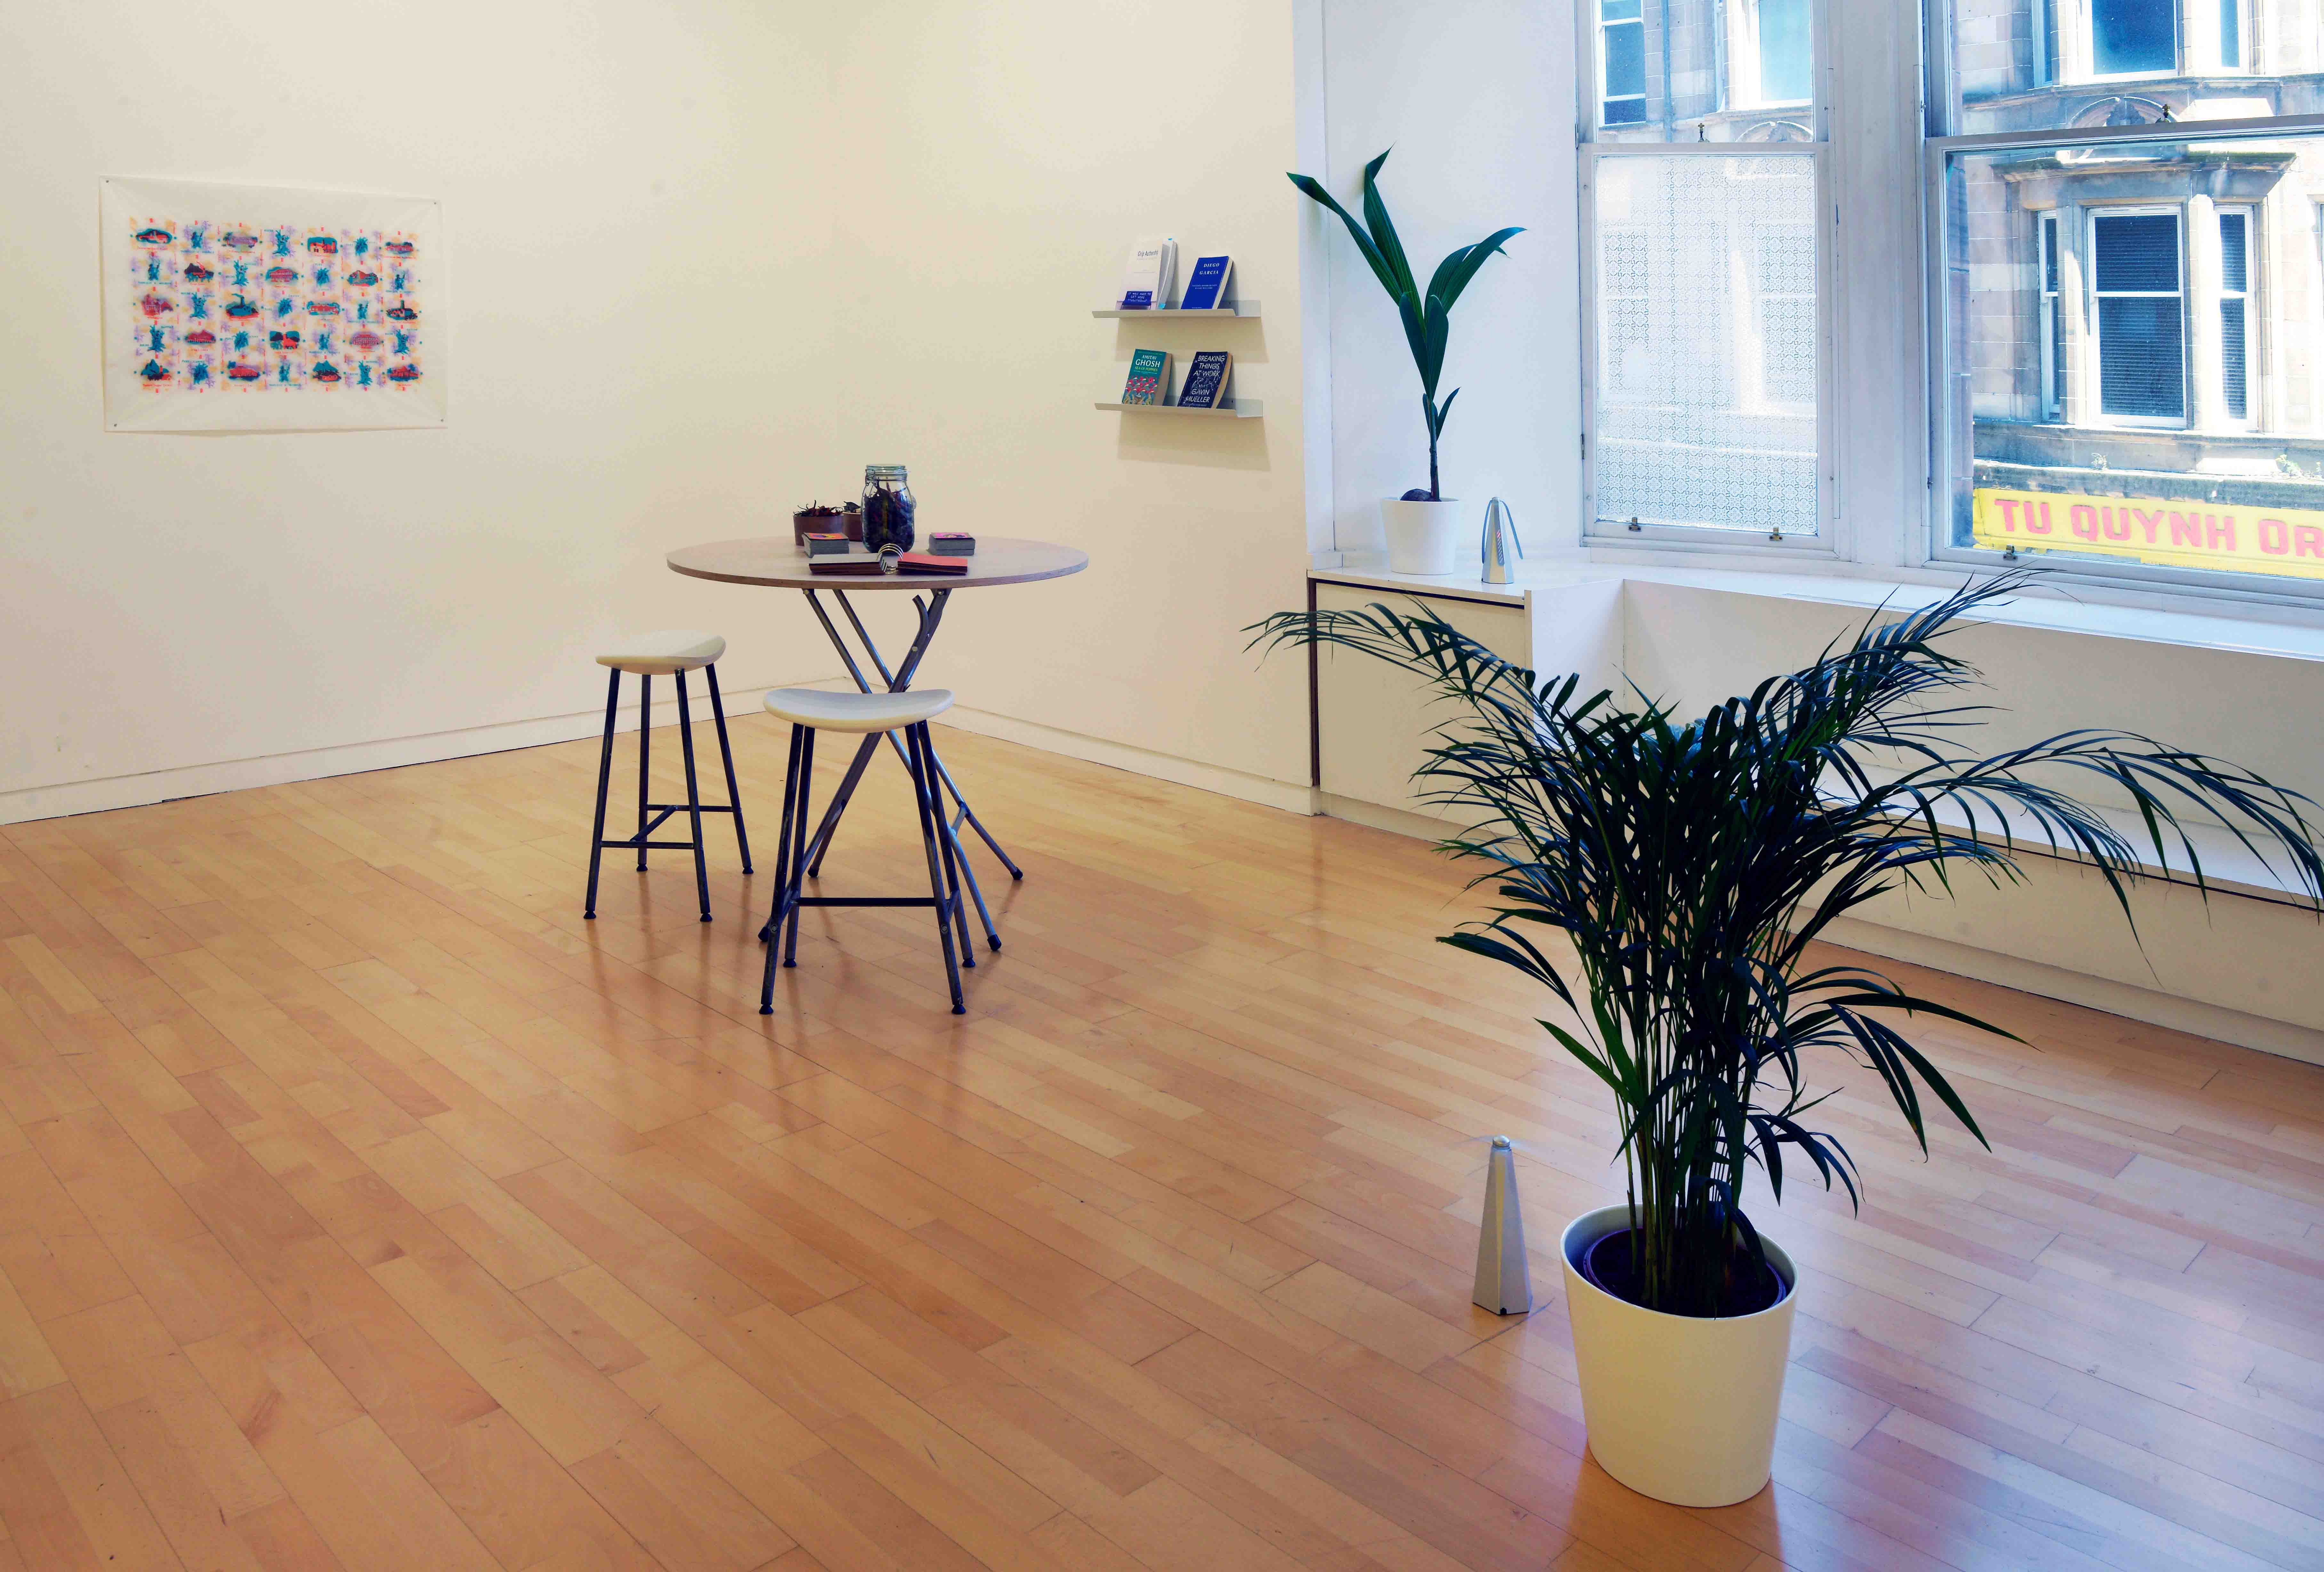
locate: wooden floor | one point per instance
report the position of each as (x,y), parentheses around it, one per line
(361,1206)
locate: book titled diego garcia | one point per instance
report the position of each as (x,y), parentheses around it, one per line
(1206,286)
(1149,377)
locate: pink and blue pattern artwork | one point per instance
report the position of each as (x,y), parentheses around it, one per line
(170,284)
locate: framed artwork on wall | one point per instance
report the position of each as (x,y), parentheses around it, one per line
(237,308)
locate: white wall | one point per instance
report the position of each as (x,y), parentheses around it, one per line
(996,164)
(1476,98)
(707,259)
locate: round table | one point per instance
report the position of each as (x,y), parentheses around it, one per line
(778,562)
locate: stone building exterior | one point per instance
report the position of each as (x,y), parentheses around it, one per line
(2141,318)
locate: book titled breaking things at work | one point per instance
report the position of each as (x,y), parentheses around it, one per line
(1149,377)
(1205,387)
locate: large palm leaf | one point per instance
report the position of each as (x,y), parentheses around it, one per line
(1690,864)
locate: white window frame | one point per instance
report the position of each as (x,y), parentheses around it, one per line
(2050,322)
(2198,586)
(2240,11)
(1829,543)
(2255,384)
(2094,330)
(1594,19)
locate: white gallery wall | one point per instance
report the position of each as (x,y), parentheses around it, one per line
(704,260)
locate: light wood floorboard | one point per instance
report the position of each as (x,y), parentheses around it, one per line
(363,1208)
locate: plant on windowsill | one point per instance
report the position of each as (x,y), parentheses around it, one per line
(1689,865)
(1422,526)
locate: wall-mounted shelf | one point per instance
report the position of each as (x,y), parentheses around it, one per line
(1247,310)
(1244,410)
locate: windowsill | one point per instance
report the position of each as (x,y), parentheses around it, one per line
(1829,585)
(2226,865)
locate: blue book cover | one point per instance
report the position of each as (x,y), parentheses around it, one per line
(1206,380)
(1207,289)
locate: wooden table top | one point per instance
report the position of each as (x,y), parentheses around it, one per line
(777,561)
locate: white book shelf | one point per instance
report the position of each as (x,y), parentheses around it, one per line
(1244,410)
(1247,310)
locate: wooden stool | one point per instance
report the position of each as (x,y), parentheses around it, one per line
(809,710)
(650,655)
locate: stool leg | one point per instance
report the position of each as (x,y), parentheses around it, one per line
(923,779)
(693,798)
(799,848)
(783,879)
(645,746)
(726,755)
(604,782)
(955,856)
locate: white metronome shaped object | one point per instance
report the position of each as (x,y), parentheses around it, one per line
(1503,1284)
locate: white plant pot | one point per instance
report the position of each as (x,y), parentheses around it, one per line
(1423,537)
(1679,1408)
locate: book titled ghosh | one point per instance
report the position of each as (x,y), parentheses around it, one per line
(1149,377)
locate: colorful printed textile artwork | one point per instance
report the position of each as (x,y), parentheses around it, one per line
(243,308)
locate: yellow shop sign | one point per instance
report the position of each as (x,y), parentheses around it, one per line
(2175,533)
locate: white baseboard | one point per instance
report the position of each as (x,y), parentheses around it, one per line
(114,792)
(1049,739)
(2195,1016)
(100,796)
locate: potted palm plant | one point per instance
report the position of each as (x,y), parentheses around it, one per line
(1423,527)
(1689,864)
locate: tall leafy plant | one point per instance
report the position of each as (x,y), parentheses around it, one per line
(1427,313)
(1689,864)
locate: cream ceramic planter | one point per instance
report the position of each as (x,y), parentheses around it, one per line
(1423,537)
(1678,1407)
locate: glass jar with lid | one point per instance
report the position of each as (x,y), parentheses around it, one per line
(887,508)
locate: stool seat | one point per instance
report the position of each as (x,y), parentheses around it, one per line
(661,654)
(857,712)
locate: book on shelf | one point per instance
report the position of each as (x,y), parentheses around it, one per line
(1205,387)
(1206,286)
(1146,282)
(1149,377)
(823,545)
(952,543)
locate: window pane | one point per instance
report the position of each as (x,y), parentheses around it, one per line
(2231,359)
(2105,394)
(1704,70)
(2142,372)
(2048,65)
(2140,253)
(1706,382)
(2233,267)
(2134,35)
(1786,56)
(1626,61)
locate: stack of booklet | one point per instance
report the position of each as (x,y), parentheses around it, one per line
(867,566)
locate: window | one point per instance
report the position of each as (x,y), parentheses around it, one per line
(2051,326)
(1787,58)
(2235,325)
(2138,321)
(1707,322)
(2121,301)
(1623,48)
(2133,37)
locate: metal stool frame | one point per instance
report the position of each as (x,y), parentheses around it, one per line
(780,935)
(694,808)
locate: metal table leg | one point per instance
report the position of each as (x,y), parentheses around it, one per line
(900,680)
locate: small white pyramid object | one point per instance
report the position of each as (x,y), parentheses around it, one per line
(1503,1285)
